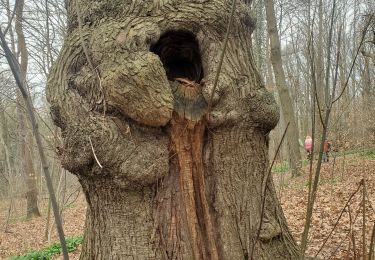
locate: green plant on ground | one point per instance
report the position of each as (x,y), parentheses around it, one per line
(70,206)
(368,154)
(345,152)
(305,162)
(280,167)
(48,252)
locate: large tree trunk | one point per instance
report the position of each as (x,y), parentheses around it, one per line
(163,177)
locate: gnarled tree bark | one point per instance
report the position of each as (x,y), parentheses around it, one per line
(175,181)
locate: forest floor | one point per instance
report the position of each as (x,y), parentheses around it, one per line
(340,178)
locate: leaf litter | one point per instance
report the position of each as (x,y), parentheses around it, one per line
(338,181)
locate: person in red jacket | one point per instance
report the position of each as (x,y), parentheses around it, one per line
(308,146)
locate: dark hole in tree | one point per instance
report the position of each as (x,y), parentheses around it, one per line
(180,55)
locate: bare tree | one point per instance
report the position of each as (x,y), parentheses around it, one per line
(25,135)
(21,83)
(285,99)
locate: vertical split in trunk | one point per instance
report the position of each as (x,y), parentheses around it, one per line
(186,147)
(183,192)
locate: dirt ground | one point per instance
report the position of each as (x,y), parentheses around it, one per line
(339,180)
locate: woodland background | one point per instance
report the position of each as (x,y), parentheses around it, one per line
(328,57)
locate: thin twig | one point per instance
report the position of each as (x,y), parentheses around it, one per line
(264,190)
(337,221)
(371,255)
(314,189)
(319,109)
(354,60)
(364,219)
(350,231)
(21,84)
(313,119)
(348,235)
(222,55)
(93,152)
(11,18)
(354,246)
(369,202)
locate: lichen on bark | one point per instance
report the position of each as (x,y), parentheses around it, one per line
(113,88)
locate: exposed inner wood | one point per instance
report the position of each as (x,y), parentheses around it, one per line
(187,130)
(180,55)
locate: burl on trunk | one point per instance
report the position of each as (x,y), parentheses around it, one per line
(165,178)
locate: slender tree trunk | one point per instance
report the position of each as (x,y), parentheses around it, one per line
(21,84)
(7,169)
(26,138)
(320,68)
(284,94)
(367,98)
(31,178)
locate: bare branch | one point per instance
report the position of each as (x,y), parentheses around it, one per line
(222,55)
(20,83)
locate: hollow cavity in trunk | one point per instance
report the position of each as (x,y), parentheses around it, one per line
(187,230)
